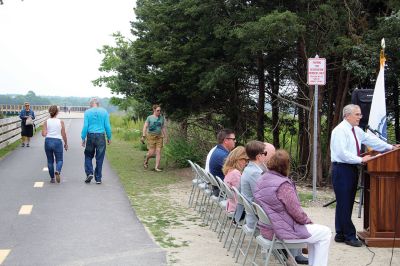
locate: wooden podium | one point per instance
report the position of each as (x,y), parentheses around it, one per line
(382,201)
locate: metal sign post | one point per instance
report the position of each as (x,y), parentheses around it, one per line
(316,75)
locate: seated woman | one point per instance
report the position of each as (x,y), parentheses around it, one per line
(232,169)
(276,194)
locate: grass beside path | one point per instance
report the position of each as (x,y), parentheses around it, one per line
(147,190)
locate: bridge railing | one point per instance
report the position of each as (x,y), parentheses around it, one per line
(14,109)
(10,128)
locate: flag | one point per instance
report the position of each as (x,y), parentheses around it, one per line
(377,115)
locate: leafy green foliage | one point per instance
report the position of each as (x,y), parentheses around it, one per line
(179,150)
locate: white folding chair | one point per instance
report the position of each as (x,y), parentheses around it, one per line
(275,245)
(195,182)
(246,230)
(227,191)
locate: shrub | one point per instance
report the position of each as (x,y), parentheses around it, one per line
(179,150)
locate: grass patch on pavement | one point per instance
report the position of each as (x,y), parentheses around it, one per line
(147,190)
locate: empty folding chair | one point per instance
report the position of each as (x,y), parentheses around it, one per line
(195,182)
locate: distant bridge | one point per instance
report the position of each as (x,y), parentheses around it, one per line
(14,109)
(10,127)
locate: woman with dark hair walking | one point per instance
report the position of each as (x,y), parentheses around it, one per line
(54,132)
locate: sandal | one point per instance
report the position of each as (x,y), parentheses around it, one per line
(146,165)
(157,170)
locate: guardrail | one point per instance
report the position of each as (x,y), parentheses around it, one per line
(10,128)
(14,109)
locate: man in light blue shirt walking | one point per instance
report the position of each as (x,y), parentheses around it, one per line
(96,125)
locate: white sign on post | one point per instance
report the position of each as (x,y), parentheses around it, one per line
(316,74)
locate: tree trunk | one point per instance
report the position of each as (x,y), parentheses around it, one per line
(261,97)
(275,106)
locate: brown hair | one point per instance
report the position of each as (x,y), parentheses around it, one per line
(232,161)
(280,162)
(53,110)
(254,148)
(155,106)
(223,133)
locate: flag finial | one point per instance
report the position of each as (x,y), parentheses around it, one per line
(382,58)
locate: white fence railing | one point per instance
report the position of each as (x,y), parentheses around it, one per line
(10,128)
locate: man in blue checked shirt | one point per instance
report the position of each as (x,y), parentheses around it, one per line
(96,125)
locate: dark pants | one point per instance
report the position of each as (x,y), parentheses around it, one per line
(345,179)
(54,149)
(95,146)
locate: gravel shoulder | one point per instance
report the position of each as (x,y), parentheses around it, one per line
(201,246)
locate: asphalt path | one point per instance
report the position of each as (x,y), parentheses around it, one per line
(71,223)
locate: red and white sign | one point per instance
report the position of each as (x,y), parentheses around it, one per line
(316,73)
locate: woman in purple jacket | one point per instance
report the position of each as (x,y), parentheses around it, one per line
(276,194)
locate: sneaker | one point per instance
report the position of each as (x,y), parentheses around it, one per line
(52,180)
(89,178)
(98,182)
(58,178)
(27,145)
(23,145)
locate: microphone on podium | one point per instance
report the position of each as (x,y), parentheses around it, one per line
(377,133)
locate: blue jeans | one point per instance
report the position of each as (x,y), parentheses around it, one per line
(95,146)
(54,149)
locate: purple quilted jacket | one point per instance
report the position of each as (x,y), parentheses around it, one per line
(283,224)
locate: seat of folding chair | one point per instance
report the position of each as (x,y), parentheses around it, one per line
(278,243)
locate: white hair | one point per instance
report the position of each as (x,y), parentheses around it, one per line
(348,109)
(94,101)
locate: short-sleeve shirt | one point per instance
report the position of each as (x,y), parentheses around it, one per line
(155,124)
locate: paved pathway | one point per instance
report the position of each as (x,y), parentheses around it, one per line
(71,223)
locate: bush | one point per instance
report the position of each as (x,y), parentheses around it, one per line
(178,150)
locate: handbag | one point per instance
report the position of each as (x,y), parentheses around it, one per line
(29,121)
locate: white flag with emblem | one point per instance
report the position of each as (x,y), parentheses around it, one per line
(377,115)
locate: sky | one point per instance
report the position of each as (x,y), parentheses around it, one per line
(50,46)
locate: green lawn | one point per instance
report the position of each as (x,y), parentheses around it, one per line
(147,190)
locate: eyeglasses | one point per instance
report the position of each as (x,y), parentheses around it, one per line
(359,115)
(158,110)
(265,153)
(234,139)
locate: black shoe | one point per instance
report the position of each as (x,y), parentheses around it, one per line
(339,238)
(300,259)
(98,182)
(88,178)
(354,243)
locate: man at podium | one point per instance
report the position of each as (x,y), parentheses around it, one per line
(346,140)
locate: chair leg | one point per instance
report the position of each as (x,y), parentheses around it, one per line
(233,236)
(227,234)
(191,196)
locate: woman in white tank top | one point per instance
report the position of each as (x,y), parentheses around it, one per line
(54,132)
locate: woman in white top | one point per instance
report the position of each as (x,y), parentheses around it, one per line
(54,131)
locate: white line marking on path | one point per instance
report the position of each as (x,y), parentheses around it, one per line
(45,169)
(38,184)
(25,210)
(3,254)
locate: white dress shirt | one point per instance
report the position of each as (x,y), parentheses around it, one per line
(207,167)
(343,144)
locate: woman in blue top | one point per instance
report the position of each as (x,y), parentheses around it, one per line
(26,130)
(155,131)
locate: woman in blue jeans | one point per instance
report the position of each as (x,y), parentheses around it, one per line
(54,132)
